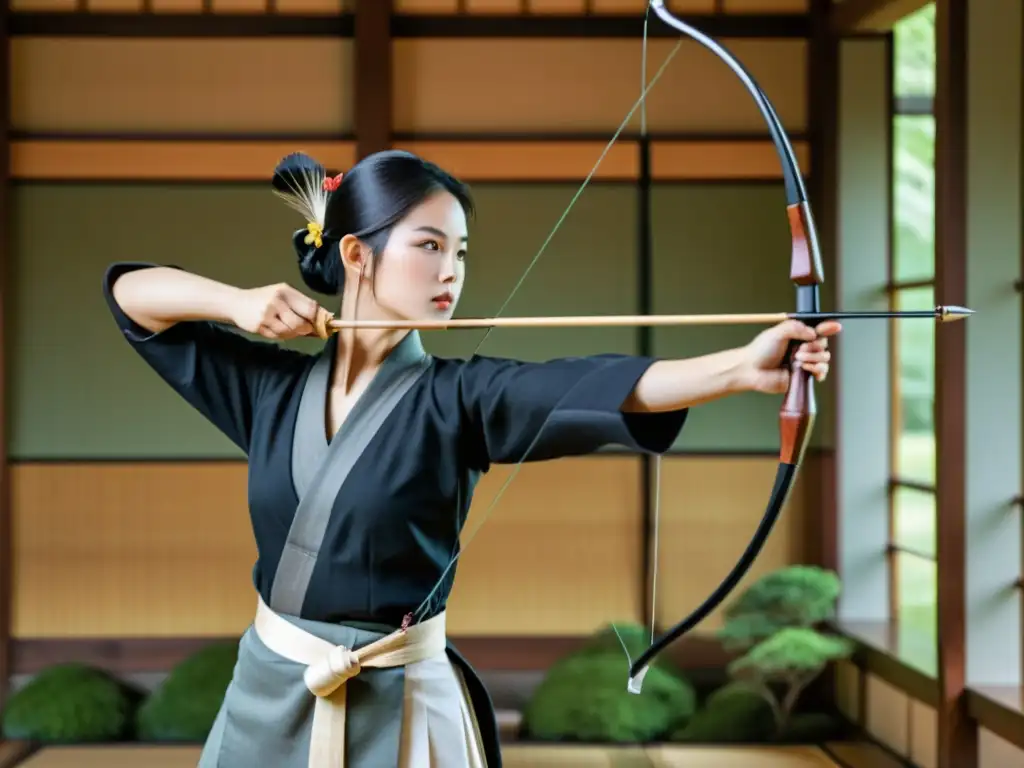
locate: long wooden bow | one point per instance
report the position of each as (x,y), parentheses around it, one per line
(796,416)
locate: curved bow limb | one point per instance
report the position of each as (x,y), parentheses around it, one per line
(796,416)
(796,421)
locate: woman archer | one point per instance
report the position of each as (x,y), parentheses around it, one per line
(363,459)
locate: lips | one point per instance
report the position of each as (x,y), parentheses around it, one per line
(444,297)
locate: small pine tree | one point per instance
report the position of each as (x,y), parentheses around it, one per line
(797,596)
(793,657)
(774,623)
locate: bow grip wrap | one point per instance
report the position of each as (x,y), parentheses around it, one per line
(796,417)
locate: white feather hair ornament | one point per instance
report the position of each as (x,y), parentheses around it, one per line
(304,185)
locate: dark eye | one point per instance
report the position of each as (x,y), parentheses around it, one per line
(462,255)
(432,245)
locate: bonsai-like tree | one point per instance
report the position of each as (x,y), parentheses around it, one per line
(776,624)
(792,657)
(796,596)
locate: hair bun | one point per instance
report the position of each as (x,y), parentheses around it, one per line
(319,269)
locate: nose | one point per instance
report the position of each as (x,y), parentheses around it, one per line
(448,274)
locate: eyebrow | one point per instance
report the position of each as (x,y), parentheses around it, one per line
(438,232)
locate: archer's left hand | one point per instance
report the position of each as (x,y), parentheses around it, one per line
(765,353)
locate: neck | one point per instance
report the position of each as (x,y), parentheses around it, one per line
(361,352)
(364,350)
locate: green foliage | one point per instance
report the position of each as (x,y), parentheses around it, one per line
(790,658)
(734,714)
(71,703)
(738,714)
(914,215)
(584,698)
(914,39)
(914,259)
(774,622)
(790,654)
(742,631)
(184,707)
(799,595)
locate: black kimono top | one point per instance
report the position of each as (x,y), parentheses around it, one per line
(362,527)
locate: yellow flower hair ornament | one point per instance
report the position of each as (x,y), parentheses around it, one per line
(315,234)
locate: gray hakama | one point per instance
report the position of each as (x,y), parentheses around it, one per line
(270,717)
(356,532)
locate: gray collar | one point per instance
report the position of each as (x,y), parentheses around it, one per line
(309,443)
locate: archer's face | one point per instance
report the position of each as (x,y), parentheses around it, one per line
(423,268)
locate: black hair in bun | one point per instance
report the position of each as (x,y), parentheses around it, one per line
(320,267)
(300,181)
(366,201)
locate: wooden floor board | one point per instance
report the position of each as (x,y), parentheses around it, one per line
(730,757)
(573,756)
(515,756)
(14,752)
(114,757)
(862,755)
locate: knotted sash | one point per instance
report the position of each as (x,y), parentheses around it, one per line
(329,667)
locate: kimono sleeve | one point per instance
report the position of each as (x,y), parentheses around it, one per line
(217,371)
(565,407)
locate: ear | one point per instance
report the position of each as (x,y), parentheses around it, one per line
(355,256)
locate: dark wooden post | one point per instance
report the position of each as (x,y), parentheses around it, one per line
(373,76)
(6,532)
(957,734)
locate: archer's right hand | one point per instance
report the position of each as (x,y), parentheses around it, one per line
(276,312)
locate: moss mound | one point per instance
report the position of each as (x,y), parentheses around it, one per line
(71,703)
(732,715)
(584,698)
(184,707)
(735,714)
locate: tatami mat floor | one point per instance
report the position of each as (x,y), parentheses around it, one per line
(516,756)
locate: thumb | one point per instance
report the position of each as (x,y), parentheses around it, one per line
(797,330)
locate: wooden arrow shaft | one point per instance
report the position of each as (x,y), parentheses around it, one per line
(565,322)
(940,314)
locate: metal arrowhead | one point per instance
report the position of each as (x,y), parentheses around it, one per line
(950,314)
